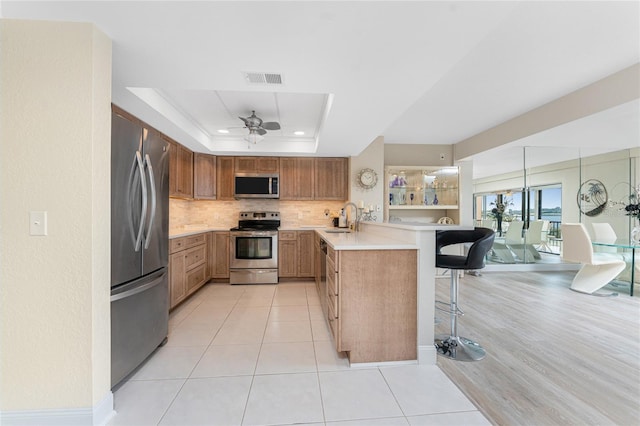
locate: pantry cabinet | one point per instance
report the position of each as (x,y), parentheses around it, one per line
(187,267)
(204,177)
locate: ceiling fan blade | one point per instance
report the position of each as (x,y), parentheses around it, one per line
(261,131)
(271,125)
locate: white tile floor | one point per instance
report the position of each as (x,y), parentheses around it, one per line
(262,355)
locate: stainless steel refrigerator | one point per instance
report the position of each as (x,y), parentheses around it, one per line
(139,244)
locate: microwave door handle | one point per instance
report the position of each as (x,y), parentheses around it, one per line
(152,183)
(143,213)
(270,186)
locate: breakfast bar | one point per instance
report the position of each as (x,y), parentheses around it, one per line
(381,291)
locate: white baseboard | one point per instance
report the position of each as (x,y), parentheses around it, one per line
(427,355)
(382,364)
(98,415)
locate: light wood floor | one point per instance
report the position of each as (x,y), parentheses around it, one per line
(554,356)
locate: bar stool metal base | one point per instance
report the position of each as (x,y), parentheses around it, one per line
(459,348)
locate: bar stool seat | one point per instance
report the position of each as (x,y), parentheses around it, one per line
(453,346)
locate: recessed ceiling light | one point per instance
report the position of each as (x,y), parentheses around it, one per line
(298,133)
(223,131)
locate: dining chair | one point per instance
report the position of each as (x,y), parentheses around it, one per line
(502,250)
(597,270)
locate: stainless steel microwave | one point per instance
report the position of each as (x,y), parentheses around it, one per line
(256,185)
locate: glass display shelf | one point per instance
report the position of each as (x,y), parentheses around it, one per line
(422,188)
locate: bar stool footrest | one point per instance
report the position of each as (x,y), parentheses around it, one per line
(459,348)
(459,312)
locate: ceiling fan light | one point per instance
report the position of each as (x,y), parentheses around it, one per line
(253,138)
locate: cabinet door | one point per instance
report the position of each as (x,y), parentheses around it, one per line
(220,263)
(185,172)
(287,258)
(224,174)
(296,178)
(173,170)
(306,258)
(204,177)
(257,164)
(177,283)
(331,179)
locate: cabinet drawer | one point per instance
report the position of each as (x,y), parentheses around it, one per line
(287,235)
(333,305)
(332,282)
(195,240)
(331,254)
(194,257)
(333,324)
(195,277)
(177,244)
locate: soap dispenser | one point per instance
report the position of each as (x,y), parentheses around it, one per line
(342,219)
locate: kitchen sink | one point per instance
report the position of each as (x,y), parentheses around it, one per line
(338,231)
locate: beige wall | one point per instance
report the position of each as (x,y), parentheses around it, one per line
(616,89)
(54,156)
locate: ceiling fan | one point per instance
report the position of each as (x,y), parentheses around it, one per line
(257,127)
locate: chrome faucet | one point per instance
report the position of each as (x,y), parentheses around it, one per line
(356,226)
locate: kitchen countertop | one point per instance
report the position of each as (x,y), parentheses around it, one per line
(362,241)
(187,231)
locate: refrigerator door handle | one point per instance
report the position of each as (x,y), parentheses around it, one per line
(152,183)
(143,213)
(140,289)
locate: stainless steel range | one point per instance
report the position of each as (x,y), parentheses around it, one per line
(254,249)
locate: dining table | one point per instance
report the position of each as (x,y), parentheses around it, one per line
(625,244)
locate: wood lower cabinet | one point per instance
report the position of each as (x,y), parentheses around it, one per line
(372,303)
(204,177)
(297,176)
(224,176)
(218,254)
(296,254)
(187,267)
(332,179)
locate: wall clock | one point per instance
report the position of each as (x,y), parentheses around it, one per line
(367,178)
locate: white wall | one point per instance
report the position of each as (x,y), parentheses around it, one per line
(55,157)
(372,158)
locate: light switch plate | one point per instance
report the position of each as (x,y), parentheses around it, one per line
(37,223)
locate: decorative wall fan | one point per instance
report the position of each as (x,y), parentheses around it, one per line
(257,127)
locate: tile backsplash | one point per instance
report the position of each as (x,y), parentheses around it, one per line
(224,214)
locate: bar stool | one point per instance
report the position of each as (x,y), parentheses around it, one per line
(453,346)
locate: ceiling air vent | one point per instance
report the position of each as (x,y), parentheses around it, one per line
(263,78)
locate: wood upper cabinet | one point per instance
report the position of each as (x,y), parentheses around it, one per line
(297,178)
(257,165)
(332,179)
(296,257)
(180,171)
(218,244)
(204,177)
(224,175)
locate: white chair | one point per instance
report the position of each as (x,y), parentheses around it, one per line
(502,246)
(597,269)
(527,249)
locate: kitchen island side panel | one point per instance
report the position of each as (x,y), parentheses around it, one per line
(378,304)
